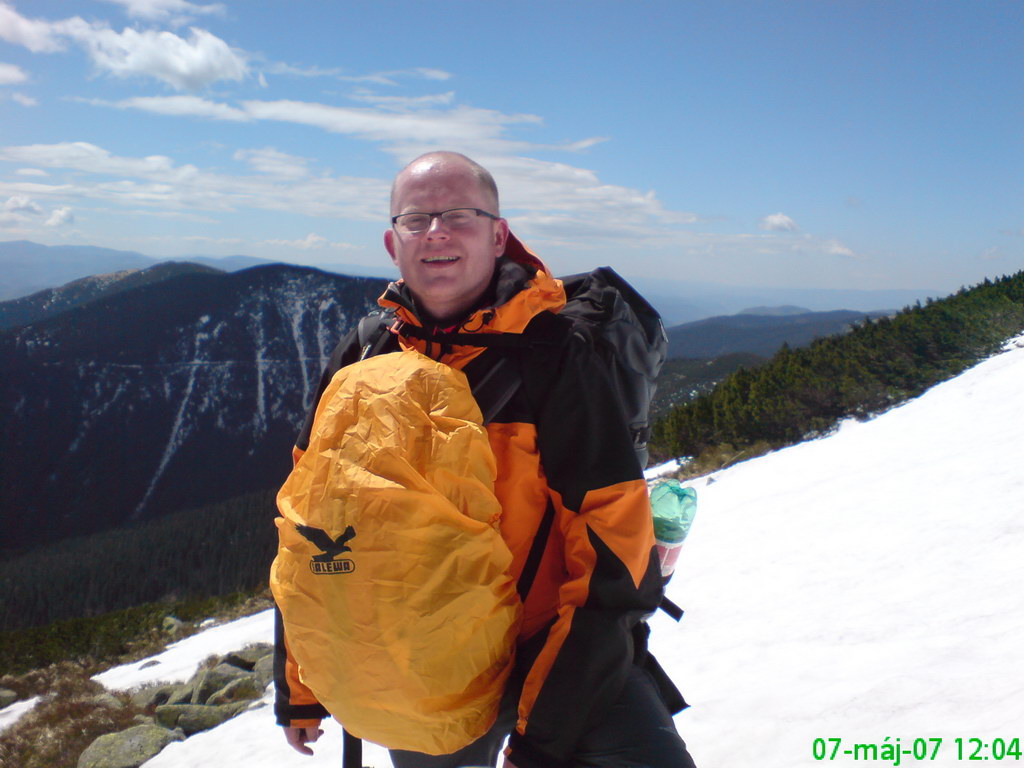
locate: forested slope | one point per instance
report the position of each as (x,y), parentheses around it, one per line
(804,392)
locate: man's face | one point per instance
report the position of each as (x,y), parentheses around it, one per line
(447,270)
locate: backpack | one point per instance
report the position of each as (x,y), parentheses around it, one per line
(404,642)
(627,332)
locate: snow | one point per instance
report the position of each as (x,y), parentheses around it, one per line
(659,470)
(9,715)
(865,586)
(179,661)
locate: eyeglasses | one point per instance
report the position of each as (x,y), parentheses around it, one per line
(453,218)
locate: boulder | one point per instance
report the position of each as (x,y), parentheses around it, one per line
(7,697)
(193,718)
(126,749)
(264,671)
(248,656)
(209,681)
(242,689)
(182,694)
(154,695)
(108,700)
(172,625)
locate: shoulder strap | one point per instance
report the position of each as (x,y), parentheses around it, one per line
(372,332)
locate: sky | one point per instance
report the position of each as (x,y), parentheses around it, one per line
(863,587)
(799,144)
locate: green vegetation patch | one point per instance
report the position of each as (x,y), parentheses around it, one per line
(805,392)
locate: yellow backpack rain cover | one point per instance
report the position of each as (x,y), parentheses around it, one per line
(391,576)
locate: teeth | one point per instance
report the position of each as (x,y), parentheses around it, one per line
(440,258)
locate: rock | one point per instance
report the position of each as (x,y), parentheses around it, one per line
(242,689)
(209,681)
(126,749)
(154,695)
(150,663)
(193,718)
(248,656)
(108,700)
(171,625)
(264,671)
(182,694)
(7,697)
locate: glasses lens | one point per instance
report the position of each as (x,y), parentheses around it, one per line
(459,217)
(413,222)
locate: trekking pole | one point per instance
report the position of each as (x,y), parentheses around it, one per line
(351,751)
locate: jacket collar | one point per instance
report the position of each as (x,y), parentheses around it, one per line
(523,288)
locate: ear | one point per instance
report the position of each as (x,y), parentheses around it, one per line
(389,244)
(500,237)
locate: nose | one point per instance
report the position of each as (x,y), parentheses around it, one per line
(437,228)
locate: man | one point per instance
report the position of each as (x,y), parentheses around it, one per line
(574,503)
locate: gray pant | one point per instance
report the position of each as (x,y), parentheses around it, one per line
(637,732)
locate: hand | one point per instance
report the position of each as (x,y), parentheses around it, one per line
(298,738)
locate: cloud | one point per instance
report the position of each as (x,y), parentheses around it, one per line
(835,248)
(60,217)
(31,172)
(312,241)
(25,101)
(778,222)
(22,205)
(269,161)
(404,102)
(213,240)
(158,184)
(82,156)
(178,106)
(462,125)
(37,36)
(11,74)
(184,64)
(389,77)
(175,11)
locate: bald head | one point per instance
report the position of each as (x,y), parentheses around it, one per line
(446,164)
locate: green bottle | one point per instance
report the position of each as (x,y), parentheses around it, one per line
(673,508)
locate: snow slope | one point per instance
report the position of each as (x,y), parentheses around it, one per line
(865,586)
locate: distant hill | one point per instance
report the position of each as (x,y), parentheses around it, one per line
(53,301)
(27,267)
(788,309)
(166,396)
(682,301)
(757,334)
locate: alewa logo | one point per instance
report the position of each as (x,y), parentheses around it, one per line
(326,563)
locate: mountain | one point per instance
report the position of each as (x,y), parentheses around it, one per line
(27,267)
(683,302)
(163,397)
(757,334)
(53,301)
(787,309)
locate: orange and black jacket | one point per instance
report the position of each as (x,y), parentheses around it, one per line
(575,511)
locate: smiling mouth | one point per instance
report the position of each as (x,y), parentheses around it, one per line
(440,259)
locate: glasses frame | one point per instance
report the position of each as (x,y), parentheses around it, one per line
(437,215)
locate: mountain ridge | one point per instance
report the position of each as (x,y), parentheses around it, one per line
(174,394)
